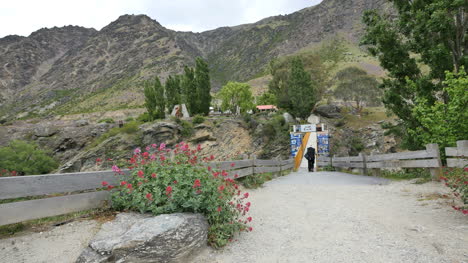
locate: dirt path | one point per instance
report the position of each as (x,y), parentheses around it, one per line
(333,217)
(319,217)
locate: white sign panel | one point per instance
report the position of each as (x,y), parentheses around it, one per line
(305,128)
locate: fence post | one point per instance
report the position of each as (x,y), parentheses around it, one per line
(278,162)
(254,157)
(375,171)
(364,163)
(436,172)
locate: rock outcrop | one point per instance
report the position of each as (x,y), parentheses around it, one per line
(141,238)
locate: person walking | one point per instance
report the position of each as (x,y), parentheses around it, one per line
(310,156)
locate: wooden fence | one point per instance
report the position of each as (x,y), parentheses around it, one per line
(457,156)
(66,186)
(429,158)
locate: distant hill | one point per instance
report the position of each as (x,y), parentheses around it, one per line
(74,69)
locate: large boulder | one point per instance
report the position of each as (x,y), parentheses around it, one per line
(329,111)
(160,132)
(138,238)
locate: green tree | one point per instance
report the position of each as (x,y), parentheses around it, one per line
(154,99)
(189,89)
(428,34)
(26,158)
(357,86)
(235,94)
(301,90)
(444,122)
(203,87)
(267,98)
(173,91)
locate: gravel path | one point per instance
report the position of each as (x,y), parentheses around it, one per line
(62,244)
(334,217)
(308,217)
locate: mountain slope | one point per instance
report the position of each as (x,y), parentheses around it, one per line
(73,69)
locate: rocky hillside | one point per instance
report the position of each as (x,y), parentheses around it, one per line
(74,69)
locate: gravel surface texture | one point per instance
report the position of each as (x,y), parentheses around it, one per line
(308,217)
(335,217)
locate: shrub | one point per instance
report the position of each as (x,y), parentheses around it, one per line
(197,119)
(457,180)
(145,117)
(187,128)
(130,127)
(129,119)
(106,120)
(161,185)
(407,174)
(21,158)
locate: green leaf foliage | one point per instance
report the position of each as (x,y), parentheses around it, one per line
(203,96)
(235,94)
(26,158)
(425,40)
(354,84)
(445,121)
(301,90)
(155,101)
(173,91)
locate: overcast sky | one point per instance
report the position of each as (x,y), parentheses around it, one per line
(22,17)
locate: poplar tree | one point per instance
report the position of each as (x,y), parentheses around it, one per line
(203,87)
(301,90)
(154,99)
(173,91)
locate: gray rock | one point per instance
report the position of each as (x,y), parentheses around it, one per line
(137,238)
(81,123)
(45,130)
(288,118)
(329,111)
(160,132)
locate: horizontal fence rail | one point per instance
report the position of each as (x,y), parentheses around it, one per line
(429,158)
(67,185)
(457,156)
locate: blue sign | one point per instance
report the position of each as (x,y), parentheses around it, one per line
(296,142)
(323,144)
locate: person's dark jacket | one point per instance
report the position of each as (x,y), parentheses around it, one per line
(310,155)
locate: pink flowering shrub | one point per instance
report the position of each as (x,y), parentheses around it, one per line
(457,180)
(169,181)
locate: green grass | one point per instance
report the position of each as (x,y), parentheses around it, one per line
(128,128)
(408,174)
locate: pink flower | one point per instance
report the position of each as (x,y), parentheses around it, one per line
(149,196)
(196,183)
(154,145)
(137,151)
(219,209)
(141,174)
(162,146)
(250,229)
(249,219)
(153,157)
(153,175)
(148,148)
(104,183)
(168,190)
(129,186)
(116,169)
(109,187)
(221,188)
(465,212)
(123,183)
(248,204)
(209,168)
(198,147)
(98,160)
(233,164)
(246,195)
